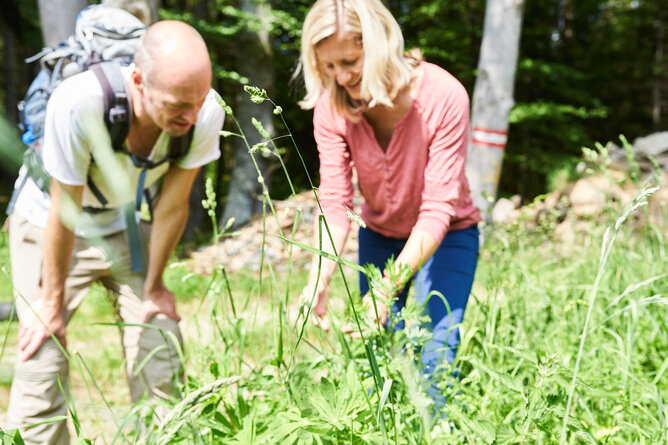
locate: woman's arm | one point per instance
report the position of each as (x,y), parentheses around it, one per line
(316,291)
(444,179)
(335,196)
(419,247)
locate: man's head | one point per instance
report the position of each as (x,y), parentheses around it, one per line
(172,76)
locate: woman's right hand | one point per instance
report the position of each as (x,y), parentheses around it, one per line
(319,296)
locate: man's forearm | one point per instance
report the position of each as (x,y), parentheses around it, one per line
(58,243)
(166,230)
(169,220)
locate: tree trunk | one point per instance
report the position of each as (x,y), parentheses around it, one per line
(493,99)
(58,19)
(659,77)
(144,10)
(254,61)
(10,91)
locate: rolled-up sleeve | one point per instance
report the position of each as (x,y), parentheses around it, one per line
(444,181)
(65,151)
(336,188)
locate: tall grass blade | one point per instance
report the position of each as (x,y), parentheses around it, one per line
(608,240)
(387,386)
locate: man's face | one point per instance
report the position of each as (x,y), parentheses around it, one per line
(174,107)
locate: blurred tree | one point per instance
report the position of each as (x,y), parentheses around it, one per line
(660,80)
(252,42)
(588,71)
(449,34)
(21,38)
(58,17)
(144,10)
(253,59)
(493,99)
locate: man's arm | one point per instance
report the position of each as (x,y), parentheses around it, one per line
(57,246)
(169,220)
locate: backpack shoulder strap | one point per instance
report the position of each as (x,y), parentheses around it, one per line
(117,104)
(179,146)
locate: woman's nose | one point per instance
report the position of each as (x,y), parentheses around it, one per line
(342,76)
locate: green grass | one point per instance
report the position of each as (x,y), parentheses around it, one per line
(5,269)
(520,342)
(560,344)
(523,342)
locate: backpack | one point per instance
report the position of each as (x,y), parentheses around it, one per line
(102,33)
(105,39)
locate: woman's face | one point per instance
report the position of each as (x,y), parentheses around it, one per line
(341,57)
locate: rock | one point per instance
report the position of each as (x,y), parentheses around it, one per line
(651,145)
(586,199)
(8,311)
(658,205)
(245,247)
(590,194)
(506,210)
(565,232)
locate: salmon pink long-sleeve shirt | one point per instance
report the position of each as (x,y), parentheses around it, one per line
(418,182)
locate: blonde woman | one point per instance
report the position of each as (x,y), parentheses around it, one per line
(403,125)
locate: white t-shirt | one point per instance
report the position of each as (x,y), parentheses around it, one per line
(75,134)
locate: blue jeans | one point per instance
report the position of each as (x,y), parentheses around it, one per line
(449,271)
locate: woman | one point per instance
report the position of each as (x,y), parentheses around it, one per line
(403,124)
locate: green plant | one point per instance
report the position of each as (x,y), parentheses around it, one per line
(558,345)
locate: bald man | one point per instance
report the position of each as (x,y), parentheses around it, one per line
(58,251)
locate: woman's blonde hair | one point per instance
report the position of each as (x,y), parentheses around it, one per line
(386,70)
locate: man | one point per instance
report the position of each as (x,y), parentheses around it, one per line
(170,91)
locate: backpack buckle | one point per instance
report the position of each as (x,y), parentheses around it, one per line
(118,114)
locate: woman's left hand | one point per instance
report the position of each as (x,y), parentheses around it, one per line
(371,310)
(374,321)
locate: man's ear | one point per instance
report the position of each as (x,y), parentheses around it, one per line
(137,78)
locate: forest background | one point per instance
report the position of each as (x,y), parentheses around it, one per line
(588,71)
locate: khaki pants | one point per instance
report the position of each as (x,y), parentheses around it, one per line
(36,393)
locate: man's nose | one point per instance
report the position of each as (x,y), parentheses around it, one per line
(191,115)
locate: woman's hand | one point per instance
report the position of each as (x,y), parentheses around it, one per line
(375,315)
(319,297)
(382,313)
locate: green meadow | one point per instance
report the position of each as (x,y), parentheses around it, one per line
(562,343)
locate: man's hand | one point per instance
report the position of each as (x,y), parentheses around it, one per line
(169,219)
(319,309)
(32,336)
(159,300)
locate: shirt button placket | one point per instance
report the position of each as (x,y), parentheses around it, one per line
(387,180)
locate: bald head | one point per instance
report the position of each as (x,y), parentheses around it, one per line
(172,53)
(171,79)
